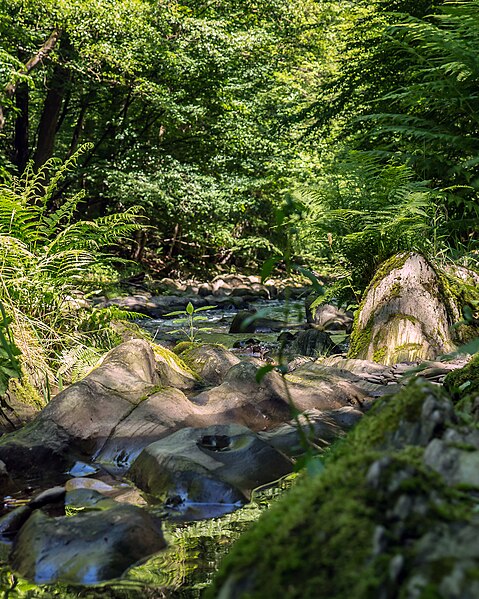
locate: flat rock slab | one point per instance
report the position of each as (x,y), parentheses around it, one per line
(88,548)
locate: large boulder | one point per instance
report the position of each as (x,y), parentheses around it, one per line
(406,314)
(218,464)
(160,414)
(264,404)
(80,419)
(393,514)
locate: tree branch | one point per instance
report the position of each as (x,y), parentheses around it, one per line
(34,61)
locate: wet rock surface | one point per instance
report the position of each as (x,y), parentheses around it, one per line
(218,464)
(86,548)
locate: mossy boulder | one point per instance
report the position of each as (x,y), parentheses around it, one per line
(380,520)
(406,314)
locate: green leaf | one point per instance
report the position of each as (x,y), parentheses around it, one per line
(190,309)
(205,308)
(263,371)
(176,313)
(312,277)
(267,268)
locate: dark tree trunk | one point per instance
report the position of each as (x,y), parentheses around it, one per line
(47,127)
(78,126)
(139,245)
(20,143)
(34,61)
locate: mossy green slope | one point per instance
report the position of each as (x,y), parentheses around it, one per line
(323,539)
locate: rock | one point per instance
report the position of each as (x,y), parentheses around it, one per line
(80,419)
(241,323)
(218,464)
(406,314)
(321,428)
(327,317)
(210,362)
(265,404)
(379,521)
(52,495)
(172,371)
(157,416)
(313,343)
(87,548)
(12,521)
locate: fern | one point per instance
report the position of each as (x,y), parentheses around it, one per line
(46,256)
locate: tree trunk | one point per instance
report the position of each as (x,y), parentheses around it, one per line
(47,127)
(34,61)
(21,146)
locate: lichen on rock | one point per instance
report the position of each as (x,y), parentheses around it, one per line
(406,314)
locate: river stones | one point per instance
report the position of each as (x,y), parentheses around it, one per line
(218,464)
(406,314)
(328,317)
(80,419)
(87,548)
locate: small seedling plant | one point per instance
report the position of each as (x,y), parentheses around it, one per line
(189,320)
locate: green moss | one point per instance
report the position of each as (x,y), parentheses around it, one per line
(360,338)
(26,393)
(317,541)
(172,359)
(464,382)
(379,355)
(183,346)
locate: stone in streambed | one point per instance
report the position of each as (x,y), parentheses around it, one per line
(159,415)
(313,343)
(78,420)
(327,317)
(88,548)
(218,464)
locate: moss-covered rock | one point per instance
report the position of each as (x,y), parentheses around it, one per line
(377,522)
(406,314)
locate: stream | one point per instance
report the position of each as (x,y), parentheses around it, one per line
(194,547)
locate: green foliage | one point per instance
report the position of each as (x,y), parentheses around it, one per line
(191,318)
(9,352)
(47,258)
(363,212)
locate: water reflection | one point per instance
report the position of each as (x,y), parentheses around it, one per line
(179,572)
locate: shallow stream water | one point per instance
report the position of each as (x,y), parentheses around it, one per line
(194,548)
(183,570)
